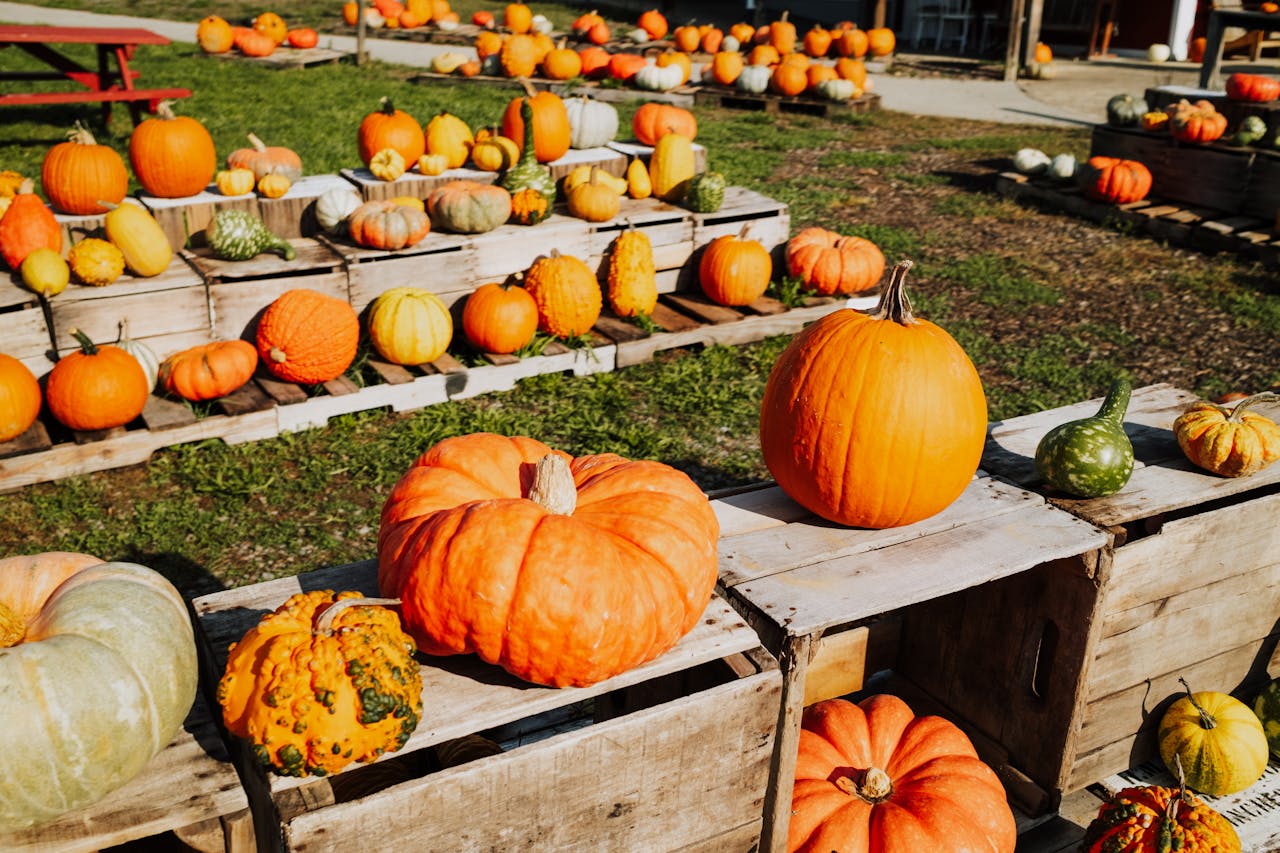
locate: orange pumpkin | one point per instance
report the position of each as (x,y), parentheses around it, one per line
(654,23)
(830,263)
(255,43)
(782,35)
(687,38)
(595,61)
(763,54)
(873,776)
(263,160)
(96,387)
(735,270)
(599,34)
(743,32)
(726,67)
(19,398)
(819,74)
(80,173)
(889,444)
(711,40)
(789,79)
(562,63)
(880,41)
(817,42)
(854,70)
(388,225)
(214,35)
(489,43)
(624,66)
(303,38)
(208,371)
(519,56)
(499,318)
(551,131)
(350,13)
(26,225)
(172,155)
(567,293)
(271,25)
(517,17)
(602,526)
(654,120)
(1043,53)
(307,337)
(484,19)
(852,43)
(388,127)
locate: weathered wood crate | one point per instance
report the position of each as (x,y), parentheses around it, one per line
(288,57)
(1212,176)
(837,604)
(294,213)
(686,738)
(734,99)
(1188,585)
(188,797)
(183,220)
(371,272)
(412,184)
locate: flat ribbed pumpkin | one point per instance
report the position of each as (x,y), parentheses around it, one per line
(1153,819)
(831,263)
(208,371)
(875,778)
(98,663)
(874,420)
(602,563)
(308,337)
(1231,442)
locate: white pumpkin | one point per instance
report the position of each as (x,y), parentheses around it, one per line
(837,89)
(1030,161)
(730,44)
(638,36)
(1159,53)
(143,354)
(334,207)
(592,124)
(754,79)
(373,19)
(1062,167)
(448,25)
(542,25)
(656,78)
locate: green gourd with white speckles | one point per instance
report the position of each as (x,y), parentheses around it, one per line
(237,235)
(1091,457)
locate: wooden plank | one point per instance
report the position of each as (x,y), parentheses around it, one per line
(161,413)
(838,665)
(183,220)
(392,374)
(247,398)
(764,506)
(35,439)
(701,308)
(294,213)
(284,393)
(313,256)
(413,184)
(734,99)
(287,57)
(26,337)
(485,379)
(316,411)
(186,309)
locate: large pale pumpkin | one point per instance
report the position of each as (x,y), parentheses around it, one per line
(98,663)
(875,778)
(601,563)
(1215,740)
(874,420)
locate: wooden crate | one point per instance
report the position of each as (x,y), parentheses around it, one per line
(834,605)
(188,797)
(183,220)
(1213,176)
(412,184)
(240,290)
(294,213)
(686,739)
(733,99)
(440,262)
(1188,585)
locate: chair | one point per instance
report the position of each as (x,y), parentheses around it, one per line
(949,20)
(1251,43)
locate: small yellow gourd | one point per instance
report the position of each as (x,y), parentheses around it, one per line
(1231,442)
(494,153)
(671,167)
(587,172)
(387,164)
(234,181)
(432,164)
(139,238)
(44,271)
(96,262)
(274,186)
(638,183)
(633,284)
(594,201)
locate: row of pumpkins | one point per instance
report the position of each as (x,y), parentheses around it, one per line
(1200,121)
(262,37)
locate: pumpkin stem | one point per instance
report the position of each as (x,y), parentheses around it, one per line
(894,304)
(257,143)
(27,187)
(1264,397)
(87,346)
(12,628)
(122,330)
(1207,720)
(875,787)
(81,135)
(528,87)
(385,105)
(164,110)
(278,355)
(324,625)
(553,488)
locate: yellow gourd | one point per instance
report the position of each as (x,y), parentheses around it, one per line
(633,284)
(139,238)
(274,186)
(433,164)
(96,262)
(387,164)
(583,174)
(671,167)
(638,183)
(234,181)
(44,271)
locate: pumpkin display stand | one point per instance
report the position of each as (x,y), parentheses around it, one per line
(285,56)
(182,218)
(1187,585)
(188,797)
(686,738)
(734,99)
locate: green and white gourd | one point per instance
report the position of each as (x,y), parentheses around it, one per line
(1251,130)
(1091,457)
(237,235)
(1062,167)
(705,193)
(528,173)
(143,354)
(592,124)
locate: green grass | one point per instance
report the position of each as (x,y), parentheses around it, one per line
(1000,281)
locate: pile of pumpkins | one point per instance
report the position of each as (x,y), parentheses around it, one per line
(1200,121)
(395,15)
(261,38)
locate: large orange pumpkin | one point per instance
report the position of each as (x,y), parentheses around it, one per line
(19,398)
(551,132)
(96,387)
(308,337)
(388,127)
(881,41)
(80,173)
(874,777)
(499,318)
(214,35)
(874,420)
(208,371)
(602,563)
(655,120)
(172,155)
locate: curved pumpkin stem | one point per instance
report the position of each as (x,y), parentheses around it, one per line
(81,135)
(164,110)
(875,787)
(324,625)
(385,106)
(87,346)
(528,87)
(1239,408)
(894,303)
(1207,720)
(553,488)
(258,144)
(12,628)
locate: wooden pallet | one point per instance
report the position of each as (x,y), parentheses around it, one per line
(1174,222)
(714,96)
(464,34)
(687,737)
(289,57)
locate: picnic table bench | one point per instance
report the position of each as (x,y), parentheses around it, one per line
(106,85)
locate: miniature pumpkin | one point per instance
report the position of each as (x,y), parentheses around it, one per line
(387,225)
(96,387)
(633,283)
(96,262)
(625,66)
(734,270)
(1152,818)
(788,79)
(830,263)
(449,135)
(254,43)
(27,225)
(494,153)
(99,670)
(321,682)
(551,131)
(468,207)
(274,186)
(172,155)
(517,17)
(1196,122)
(263,160)
(639,185)
(488,43)
(1215,739)
(499,318)
(19,398)
(232,182)
(852,43)
(1125,110)
(602,526)
(890,444)
(817,42)
(208,371)
(653,120)
(529,207)
(80,174)
(409,325)
(594,200)
(1114,180)
(563,63)
(388,127)
(595,61)
(1256,88)
(753,80)
(567,293)
(657,78)
(307,337)
(853,70)
(387,165)
(214,35)
(873,776)
(431,164)
(334,207)
(1231,442)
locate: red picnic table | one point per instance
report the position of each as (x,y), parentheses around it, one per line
(105,85)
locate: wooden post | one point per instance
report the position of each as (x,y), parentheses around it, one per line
(1034,15)
(360,32)
(1013,48)
(878,18)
